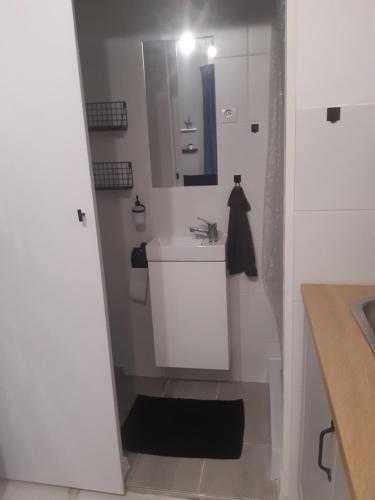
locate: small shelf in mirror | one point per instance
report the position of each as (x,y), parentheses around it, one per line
(187,151)
(188,130)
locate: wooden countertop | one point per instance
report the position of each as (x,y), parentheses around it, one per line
(348,366)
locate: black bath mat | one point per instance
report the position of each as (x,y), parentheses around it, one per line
(185,427)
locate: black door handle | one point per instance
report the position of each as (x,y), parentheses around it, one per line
(81,215)
(324,432)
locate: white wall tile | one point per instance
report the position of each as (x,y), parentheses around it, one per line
(335,52)
(257,318)
(120,325)
(141,358)
(252,318)
(250,360)
(334,247)
(231,41)
(141,318)
(258,92)
(259,38)
(173,210)
(233,151)
(335,162)
(245,153)
(231,85)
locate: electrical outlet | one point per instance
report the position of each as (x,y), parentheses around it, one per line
(229,115)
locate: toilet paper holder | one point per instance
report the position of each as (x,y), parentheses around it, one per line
(139,257)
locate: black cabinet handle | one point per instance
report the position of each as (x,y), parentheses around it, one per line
(81,215)
(329,430)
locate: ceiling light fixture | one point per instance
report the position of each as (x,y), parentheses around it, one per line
(186,44)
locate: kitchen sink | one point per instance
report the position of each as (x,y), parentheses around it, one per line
(364,313)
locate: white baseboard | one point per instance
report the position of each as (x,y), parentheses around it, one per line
(276,406)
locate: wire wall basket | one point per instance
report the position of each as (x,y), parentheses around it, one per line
(107,115)
(113,175)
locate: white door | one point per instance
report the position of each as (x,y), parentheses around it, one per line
(58,421)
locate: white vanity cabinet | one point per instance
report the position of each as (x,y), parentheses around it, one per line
(188,289)
(314,482)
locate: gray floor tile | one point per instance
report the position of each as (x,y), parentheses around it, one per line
(191,389)
(246,478)
(127,388)
(19,490)
(149,386)
(93,495)
(170,474)
(257,409)
(132,457)
(243,478)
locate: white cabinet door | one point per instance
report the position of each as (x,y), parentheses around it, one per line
(189,314)
(58,421)
(317,417)
(341,489)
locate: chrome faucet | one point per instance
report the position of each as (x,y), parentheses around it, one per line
(211,230)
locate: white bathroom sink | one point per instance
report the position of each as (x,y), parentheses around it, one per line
(186,248)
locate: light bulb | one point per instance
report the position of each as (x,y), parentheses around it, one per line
(186,44)
(211,51)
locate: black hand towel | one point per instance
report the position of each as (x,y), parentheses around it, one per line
(240,247)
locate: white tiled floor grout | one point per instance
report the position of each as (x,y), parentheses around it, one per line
(133,467)
(18,490)
(165,389)
(217,390)
(178,495)
(201,477)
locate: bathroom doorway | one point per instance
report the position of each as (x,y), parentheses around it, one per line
(140,64)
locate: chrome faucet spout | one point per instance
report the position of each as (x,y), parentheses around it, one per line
(198,230)
(205,221)
(211,230)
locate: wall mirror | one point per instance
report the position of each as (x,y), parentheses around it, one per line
(181,110)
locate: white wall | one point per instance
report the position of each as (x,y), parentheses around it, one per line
(110,33)
(333,183)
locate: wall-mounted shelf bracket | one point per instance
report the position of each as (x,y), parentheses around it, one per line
(333,114)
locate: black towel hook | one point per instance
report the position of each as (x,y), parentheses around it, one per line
(237,180)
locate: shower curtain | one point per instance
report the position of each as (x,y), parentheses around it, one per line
(209,119)
(273,225)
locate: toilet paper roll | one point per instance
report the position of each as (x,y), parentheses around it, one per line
(138,284)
